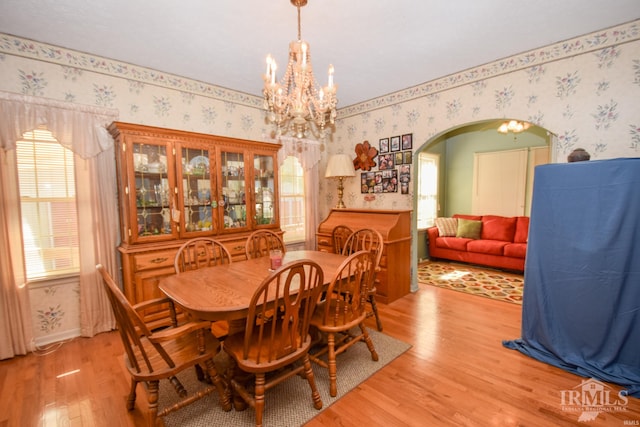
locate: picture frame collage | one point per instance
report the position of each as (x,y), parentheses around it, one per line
(395,156)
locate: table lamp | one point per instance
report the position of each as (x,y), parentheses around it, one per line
(340,166)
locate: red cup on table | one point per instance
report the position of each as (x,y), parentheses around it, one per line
(276,258)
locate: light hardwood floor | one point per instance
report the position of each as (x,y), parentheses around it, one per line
(457,373)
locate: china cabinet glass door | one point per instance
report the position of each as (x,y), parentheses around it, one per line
(152,185)
(264,188)
(234,188)
(195,174)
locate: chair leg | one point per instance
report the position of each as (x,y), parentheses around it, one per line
(177,385)
(131,399)
(225,401)
(331,359)
(367,339)
(235,387)
(374,308)
(308,372)
(259,399)
(152,399)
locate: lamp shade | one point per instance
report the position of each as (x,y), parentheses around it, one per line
(340,165)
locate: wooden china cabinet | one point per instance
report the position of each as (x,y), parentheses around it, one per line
(176,185)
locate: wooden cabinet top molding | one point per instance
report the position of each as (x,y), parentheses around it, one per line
(179,135)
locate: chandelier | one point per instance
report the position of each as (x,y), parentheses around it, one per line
(514,126)
(297,105)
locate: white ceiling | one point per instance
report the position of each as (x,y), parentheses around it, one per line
(376,46)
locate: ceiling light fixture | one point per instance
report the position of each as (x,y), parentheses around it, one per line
(514,126)
(297,105)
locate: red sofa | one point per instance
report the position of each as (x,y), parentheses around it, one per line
(502,243)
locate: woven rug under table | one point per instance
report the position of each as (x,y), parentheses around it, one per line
(288,404)
(486,282)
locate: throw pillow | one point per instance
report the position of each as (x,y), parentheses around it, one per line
(469,229)
(447,227)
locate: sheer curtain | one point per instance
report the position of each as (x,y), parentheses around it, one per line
(82,129)
(308,152)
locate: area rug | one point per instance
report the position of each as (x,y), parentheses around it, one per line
(473,280)
(288,404)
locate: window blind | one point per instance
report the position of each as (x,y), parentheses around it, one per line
(48,205)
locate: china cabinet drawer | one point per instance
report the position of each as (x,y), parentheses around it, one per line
(236,248)
(154,260)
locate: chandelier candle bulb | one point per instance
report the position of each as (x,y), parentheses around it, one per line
(304,55)
(330,76)
(269,60)
(274,67)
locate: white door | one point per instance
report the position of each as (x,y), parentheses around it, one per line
(500,183)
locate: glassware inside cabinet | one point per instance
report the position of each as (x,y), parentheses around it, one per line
(264,184)
(151,189)
(196,189)
(233,190)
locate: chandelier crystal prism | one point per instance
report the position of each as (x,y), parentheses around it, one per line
(297,105)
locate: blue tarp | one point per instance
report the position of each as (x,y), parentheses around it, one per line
(581,302)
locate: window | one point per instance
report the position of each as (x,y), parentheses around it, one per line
(292,206)
(46,182)
(427,189)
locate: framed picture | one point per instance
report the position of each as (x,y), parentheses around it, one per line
(390,181)
(407,141)
(384,145)
(404,188)
(405,174)
(407,158)
(395,143)
(379,182)
(367,182)
(398,158)
(386,161)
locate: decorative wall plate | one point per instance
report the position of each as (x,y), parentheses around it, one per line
(365,154)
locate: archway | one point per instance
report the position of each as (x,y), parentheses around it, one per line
(457,146)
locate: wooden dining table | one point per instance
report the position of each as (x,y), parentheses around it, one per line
(223,292)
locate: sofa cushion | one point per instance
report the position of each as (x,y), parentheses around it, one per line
(498,228)
(522,230)
(515,250)
(469,229)
(447,226)
(491,247)
(454,243)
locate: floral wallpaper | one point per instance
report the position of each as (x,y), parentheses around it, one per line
(585,91)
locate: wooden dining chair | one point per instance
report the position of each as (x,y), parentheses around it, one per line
(203,252)
(200,252)
(344,308)
(276,335)
(261,242)
(340,234)
(161,355)
(369,240)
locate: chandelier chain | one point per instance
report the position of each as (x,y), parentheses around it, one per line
(299,25)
